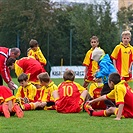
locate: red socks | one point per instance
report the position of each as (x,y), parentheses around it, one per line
(99,113)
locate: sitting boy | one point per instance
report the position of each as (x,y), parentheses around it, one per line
(70,96)
(36,52)
(7,103)
(95,92)
(123,96)
(27,93)
(46,99)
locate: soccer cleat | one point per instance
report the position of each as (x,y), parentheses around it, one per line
(18,110)
(88,108)
(5,110)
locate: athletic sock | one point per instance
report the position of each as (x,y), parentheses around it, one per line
(99,113)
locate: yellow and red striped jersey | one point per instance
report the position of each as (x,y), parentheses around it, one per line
(123,55)
(38,56)
(29,92)
(123,94)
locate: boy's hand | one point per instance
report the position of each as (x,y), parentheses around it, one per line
(98,80)
(26,100)
(130,71)
(11,85)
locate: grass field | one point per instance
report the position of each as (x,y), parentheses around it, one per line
(40,121)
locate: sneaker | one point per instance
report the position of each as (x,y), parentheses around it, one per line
(5,110)
(18,111)
(88,108)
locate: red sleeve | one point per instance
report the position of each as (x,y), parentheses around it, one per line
(5,72)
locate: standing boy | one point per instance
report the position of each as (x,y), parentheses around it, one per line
(122,56)
(91,66)
(36,52)
(123,96)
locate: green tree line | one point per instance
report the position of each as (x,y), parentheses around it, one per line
(56,26)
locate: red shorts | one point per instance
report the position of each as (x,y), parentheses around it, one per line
(99,105)
(125,114)
(67,106)
(5,94)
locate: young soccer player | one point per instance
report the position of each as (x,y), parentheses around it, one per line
(26,65)
(91,66)
(95,92)
(123,96)
(7,103)
(44,101)
(27,93)
(105,69)
(122,56)
(46,97)
(70,96)
(36,52)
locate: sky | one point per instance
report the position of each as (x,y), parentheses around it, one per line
(114,4)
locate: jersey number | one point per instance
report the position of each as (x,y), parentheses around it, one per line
(67,91)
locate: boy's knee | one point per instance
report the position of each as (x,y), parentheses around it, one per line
(111,110)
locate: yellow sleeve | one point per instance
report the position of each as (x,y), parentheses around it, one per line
(41,57)
(114,54)
(91,89)
(132,52)
(111,95)
(30,53)
(120,94)
(18,93)
(32,92)
(18,70)
(80,88)
(86,61)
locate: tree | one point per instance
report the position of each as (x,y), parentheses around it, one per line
(51,23)
(29,18)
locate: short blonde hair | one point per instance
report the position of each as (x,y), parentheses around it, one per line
(126,33)
(94,38)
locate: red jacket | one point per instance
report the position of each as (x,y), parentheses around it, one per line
(4,71)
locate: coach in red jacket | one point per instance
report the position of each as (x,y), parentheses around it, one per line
(5,53)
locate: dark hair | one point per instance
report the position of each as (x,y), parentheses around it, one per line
(33,43)
(69,75)
(115,78)
(22,77)
(44,77)
(10,61)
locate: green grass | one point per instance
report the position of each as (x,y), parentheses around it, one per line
(53,122)
(40,121)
